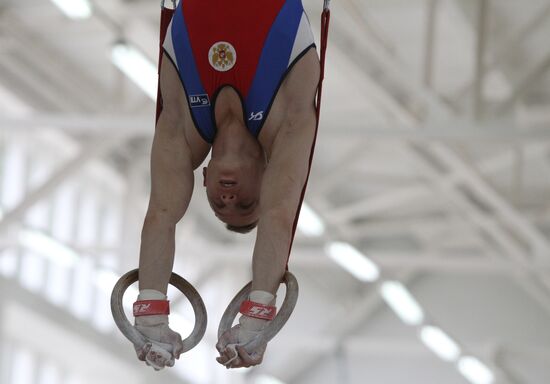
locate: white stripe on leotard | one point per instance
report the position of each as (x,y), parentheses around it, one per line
(168,46)
(304,38)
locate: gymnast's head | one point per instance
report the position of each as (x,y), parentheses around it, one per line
(233,177)
(233,180)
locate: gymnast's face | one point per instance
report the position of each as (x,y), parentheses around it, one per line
(233,191)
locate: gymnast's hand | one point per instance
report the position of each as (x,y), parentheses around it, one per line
(239,347)
(244,344)
(164,344)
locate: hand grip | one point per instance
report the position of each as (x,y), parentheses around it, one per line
(137,338)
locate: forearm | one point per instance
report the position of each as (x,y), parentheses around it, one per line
(157,250)
(282,188)
(271,249)
(171,189)
(156,253)
(284,181)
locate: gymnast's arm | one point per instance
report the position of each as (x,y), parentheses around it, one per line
(286,173)
(293,113)
(177,150)
(171,189)
(173,160)
(172,183)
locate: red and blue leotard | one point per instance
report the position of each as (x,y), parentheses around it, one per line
(249,45)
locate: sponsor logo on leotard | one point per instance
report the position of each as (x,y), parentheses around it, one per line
(222,56)
(199,100)
(256,116)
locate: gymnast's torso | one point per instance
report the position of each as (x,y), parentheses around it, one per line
(213,45)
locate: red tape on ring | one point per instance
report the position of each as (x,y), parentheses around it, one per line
(151,307)
(257,310)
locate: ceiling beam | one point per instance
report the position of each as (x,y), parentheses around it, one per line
(432,8)
(67,170)
(510,45)
(452,162)
(408,194)
(479,73)
(314,257)
(50,71)
(531,78)
(453,130)
(117,349)
(364,346)
(539,244)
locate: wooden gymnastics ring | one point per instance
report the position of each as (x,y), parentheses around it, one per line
(276,324)
(133,334)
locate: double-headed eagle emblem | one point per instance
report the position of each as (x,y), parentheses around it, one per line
(222,56)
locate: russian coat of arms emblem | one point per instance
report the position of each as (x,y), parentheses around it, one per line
(222,56)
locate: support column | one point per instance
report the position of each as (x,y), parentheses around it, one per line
(482,19)
(429,54)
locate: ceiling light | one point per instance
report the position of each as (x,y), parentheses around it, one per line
(475,371)
(266,379)
(353,261)
(137,67)
(402,302)
(440,343)
(12,105)
(309,222)
(48,247)
(75,9)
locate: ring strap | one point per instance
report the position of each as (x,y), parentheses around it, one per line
(258,310)
(151,307)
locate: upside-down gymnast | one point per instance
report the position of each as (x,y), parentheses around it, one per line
(237,79)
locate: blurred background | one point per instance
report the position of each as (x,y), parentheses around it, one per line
(423,253)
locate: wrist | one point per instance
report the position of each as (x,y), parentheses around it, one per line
(151,294)
(151,307)
(258,311)
(262,297)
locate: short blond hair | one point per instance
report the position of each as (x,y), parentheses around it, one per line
(242,228)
